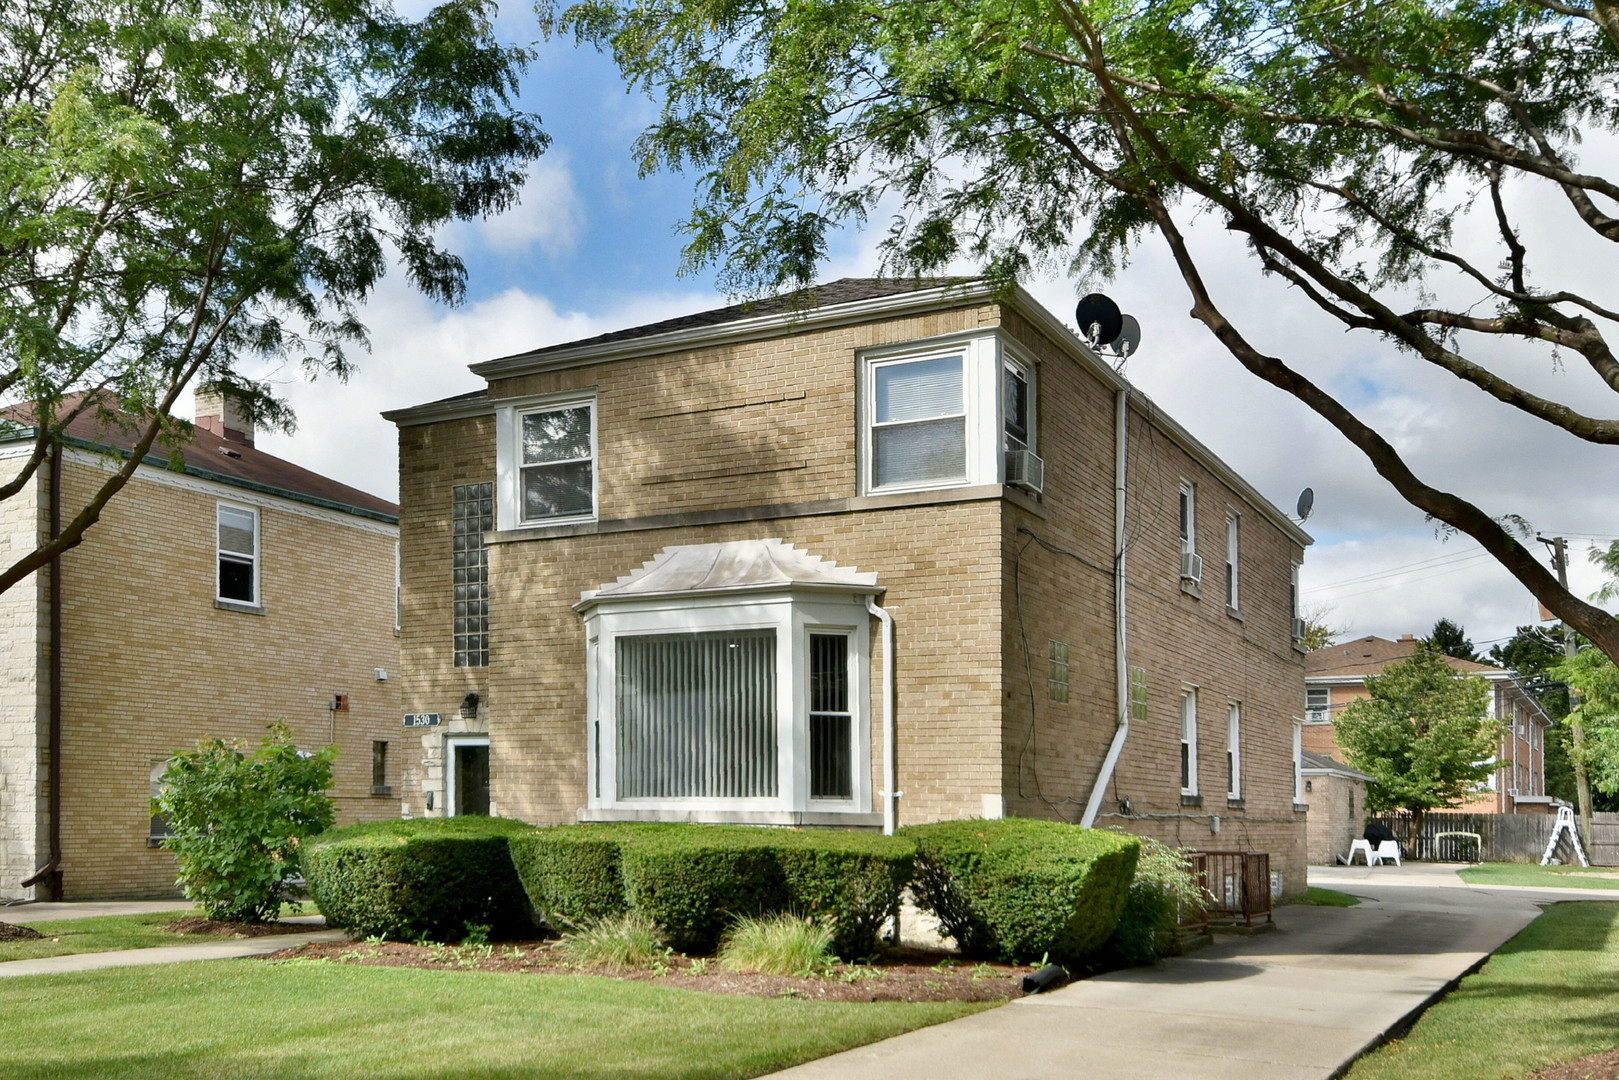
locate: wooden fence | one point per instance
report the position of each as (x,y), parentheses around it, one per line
(1504,837)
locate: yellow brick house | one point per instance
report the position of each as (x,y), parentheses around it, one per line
(882,553)
(209,601)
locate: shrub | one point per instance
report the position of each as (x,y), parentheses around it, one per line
(777,945)
(1020,889)
(615,943)
(1147,928)
(425,879)
(236,821)
(693,880)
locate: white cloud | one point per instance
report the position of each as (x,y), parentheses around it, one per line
(549,217)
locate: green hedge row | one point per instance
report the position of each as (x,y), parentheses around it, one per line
(694,881)
(1018,889)
(423,879)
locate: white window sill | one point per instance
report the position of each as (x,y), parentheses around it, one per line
(845,819)
(237,605)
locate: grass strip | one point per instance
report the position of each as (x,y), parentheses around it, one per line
(1549,995)
(1546,877)
(308,1020)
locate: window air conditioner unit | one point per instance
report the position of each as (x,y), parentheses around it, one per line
(1191,566)
(1025,469)
(1298,629)
(1513,792)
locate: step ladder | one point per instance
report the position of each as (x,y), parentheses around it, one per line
(1565,823)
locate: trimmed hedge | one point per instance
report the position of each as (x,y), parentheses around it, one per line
(426,879)
(1018,889)
(693,880)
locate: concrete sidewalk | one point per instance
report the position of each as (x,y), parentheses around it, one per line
(47,911)
(226,949)
(1301,1002)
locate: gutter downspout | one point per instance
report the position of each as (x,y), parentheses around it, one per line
(1121,416)
(52,871)
(889,795)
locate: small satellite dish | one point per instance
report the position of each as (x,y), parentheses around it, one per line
(1098,318)
(1129,338)
(1306,504)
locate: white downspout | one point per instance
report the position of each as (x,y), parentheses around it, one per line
(1121,416)
(890,794)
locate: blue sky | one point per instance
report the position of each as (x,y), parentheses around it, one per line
(594,247)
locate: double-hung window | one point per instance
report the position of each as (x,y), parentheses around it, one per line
(1233,583)
(1188,515)
(919,422)
(1189,741)
(1233,750)
(238,551)
(1016,406)
(1318,705)
(546,461)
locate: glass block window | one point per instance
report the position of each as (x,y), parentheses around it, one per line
(473,514)
(1138,694)
(697,715)
(1057,680)
(919,423)
(831,721)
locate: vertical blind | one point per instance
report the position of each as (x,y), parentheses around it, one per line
(697,716)
(919,429)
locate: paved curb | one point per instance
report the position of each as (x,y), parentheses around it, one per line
(163,954)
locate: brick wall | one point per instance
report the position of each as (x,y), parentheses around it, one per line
(1337,816)
(24,761)
(150,665)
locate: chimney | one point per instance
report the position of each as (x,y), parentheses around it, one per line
(1403,637)
(221,413)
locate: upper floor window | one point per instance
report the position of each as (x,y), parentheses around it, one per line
(918,423)
(546,461)
(1318,705)
(1189,741)
(1233,583)
(1017,410)
(238,544)
(1188,518)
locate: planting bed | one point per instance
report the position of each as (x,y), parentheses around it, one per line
(897,975)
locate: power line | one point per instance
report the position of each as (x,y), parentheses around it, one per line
(1466,554)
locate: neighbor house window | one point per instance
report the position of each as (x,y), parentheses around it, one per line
(918,422)
(238,530)
(1233,750)
(472,513)
(1233,585)
(1189,742)
(545,461)
(1318,705)
(831,735)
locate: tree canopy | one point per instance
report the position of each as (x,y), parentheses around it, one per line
(1424,733)
(1595,679)
(1349,144)
(190,188)
(1449,638)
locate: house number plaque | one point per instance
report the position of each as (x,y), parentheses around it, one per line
(423,719)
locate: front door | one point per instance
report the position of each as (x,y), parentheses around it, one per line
(471,778)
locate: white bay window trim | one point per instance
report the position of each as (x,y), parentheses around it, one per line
(509,463)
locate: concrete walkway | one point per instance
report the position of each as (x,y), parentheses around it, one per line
(225,949)
(1301,1002)
(22,914)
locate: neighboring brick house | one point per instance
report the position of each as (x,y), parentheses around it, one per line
(1336,675)
(649,575)
(206,602)
(1336,795)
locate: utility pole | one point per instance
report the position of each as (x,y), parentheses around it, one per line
(1582,782)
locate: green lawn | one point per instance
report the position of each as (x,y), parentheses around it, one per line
(1551,994)
(308,1020)
(105,933)
(1317,897)
(1553,877)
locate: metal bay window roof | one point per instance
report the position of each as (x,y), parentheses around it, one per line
(736,567)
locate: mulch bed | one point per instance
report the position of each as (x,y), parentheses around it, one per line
(1603,1066)
(900,975)
(9,932)
(196,924)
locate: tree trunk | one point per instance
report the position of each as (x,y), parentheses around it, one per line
(1416,832)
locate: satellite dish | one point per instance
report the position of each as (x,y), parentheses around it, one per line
(1099,319)
(1129,338)
(1306,504)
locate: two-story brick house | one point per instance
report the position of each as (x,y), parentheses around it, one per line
(826,559)
(207,602)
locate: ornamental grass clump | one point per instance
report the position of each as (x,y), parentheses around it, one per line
(627,941)
(1163,889)
(780,944)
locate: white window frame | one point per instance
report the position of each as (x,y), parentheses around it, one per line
(793,617)
(1188,738)
(1318,714)
(1298,762)
(1233,749)
(220,555)
(1293,602)
(399,593)
(509,458)
(1233,557)
(984,356)
(1012,364)
(452,743)
(1188,521)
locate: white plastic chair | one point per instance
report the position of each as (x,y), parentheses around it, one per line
(1389,849)
(1363,847)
